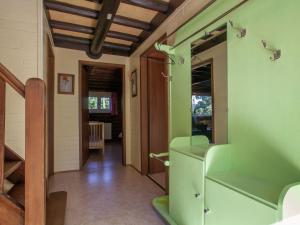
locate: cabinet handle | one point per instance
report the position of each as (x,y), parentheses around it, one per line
(197,195)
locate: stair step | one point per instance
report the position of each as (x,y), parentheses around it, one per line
(18,193)
(10,167)
(7,186)
(56,208)
(10,213)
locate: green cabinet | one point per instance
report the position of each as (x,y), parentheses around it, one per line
(186,194)
(224,206)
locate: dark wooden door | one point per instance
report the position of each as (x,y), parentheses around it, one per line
(50,109)
(158,111)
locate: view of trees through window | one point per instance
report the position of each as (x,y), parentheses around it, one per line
(105,103)
(99,104)
(202,105)
(93,103)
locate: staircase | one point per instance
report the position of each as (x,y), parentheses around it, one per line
(23,197)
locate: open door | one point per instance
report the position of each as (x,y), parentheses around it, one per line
(154,118)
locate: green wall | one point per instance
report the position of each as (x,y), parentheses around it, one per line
(263,98)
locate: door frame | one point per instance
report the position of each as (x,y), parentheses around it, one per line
(144,105)
(50,111)
(82,63)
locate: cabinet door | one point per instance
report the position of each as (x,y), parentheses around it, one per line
(186,189)
(228,207)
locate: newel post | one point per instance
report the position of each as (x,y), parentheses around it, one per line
(2,132)
(35,179)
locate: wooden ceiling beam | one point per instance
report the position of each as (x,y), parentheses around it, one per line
(81,11)
(72,9)
(122,36)
(104,21)
(159,6)
(89,30)
(132,23)
(83,44)
(71,27)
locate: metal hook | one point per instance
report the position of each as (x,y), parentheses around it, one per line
(172,60)
(276,53)
(242,31)
(166,76)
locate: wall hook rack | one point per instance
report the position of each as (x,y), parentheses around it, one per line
(241,31)
(276,53)
(166,49)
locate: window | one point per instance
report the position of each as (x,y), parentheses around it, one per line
(100,102)
(105,103)
(93,103)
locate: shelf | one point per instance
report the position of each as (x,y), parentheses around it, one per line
(261,190)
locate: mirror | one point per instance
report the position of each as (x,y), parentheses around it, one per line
(202,100)
(209,87)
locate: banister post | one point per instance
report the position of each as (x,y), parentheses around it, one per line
(35,179)
(2,133)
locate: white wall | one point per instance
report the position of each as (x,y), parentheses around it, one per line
(66,116)
(21,52)
(181,15)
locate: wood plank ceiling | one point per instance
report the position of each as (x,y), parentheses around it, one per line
(74,22)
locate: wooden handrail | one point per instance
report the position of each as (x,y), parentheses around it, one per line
(2,133)
(12,80)
(35,177)
(34,93)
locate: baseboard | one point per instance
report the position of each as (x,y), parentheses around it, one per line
(134,168)
(66,171)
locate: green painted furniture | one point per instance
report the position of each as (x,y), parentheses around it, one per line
(260,166)
(186,176)
(225,206)
(249,192)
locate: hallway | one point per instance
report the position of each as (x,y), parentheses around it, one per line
(105,193)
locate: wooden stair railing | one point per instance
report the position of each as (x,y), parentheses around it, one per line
(35,177)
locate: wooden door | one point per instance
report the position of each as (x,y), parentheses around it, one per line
(158,111)
(50,109)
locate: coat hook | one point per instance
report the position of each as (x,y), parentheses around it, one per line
(170,53)
(166,76)
(242,31)
(276,53)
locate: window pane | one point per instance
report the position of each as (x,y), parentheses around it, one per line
(105,103)
(93,103)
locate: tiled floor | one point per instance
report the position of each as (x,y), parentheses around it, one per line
(106,193)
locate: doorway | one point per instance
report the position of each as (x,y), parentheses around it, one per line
(50,107)
(102,112)
(154,114)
